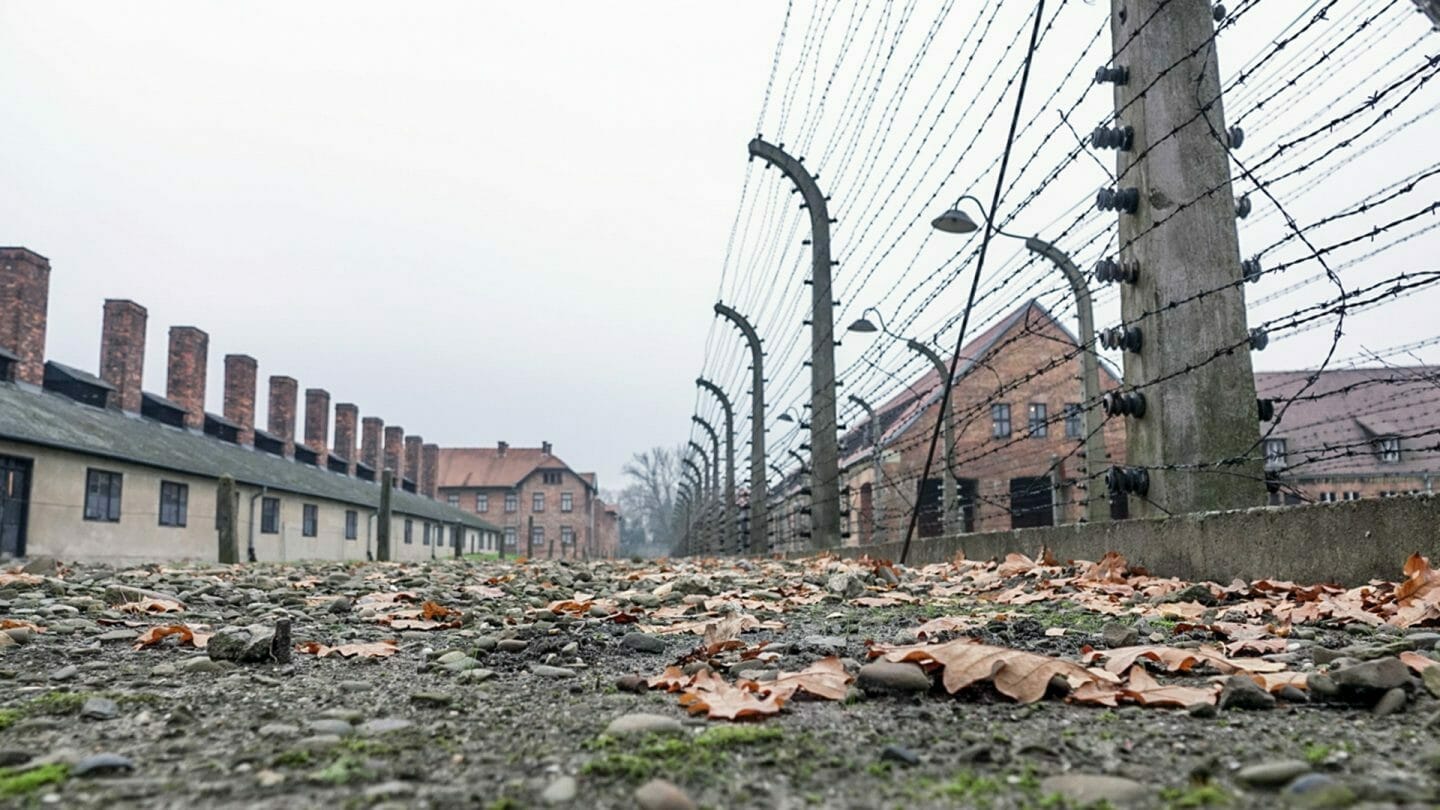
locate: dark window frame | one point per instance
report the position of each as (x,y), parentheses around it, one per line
(482,503)
(452,500)
(352,524)
(269,515)
(512,502)
(1037,417)
(174,509)
(103,507)
(537,502)
(309,520)
(567,502)
(409,532)
(1074,421)
(1000,424)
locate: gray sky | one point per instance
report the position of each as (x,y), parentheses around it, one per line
(490,221)
(480,221)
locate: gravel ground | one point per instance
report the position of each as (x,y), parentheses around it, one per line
(502,695)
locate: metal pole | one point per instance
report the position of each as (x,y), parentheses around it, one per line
(1097,505)
(875,460)
(697,490)
(824,443)
(948,479)
(1197,436)
(728,512)
(707,490)
(758,505)
(717,532)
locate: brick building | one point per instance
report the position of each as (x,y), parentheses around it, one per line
(543,507)
(1019,438)
(95,467)
(1355,433)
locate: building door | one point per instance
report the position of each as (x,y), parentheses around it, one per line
(14,504)
(931,508)
(967,497)
(1031,503)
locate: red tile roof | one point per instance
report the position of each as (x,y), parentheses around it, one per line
(487,467)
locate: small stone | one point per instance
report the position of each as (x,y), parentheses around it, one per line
(326,725)
(1116,635)
(823,645)
(268,778)
(846,586)
(1322,686)
(896,753)
(451,657)
(201,664)
(353,686)
(642,723)
(1202,710)
(41,566)
(386,725)
(1391,702)
(631,683)
(1367,682)
(65,673)
(10,757)
(394,789)
(511,645)
(1424,639)
(1240,692)
(279,731)
(546,671)
(102,765)
(1198,592)
(561,791)
(1430,676)
(643,642)
(1318,790)
(1272,774)
(319,743)
(19,635)
(1086,789)
(476,675)
(438,700)
(658,794)
(890,676)
(98,708)
(1292,694)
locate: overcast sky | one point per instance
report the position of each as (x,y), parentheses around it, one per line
(481,221)
(489,221)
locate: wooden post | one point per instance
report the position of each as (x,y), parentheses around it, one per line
(225,521)
(382,522)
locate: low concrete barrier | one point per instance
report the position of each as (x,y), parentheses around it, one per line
(1348,542)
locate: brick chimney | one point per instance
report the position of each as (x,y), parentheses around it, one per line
(24,301)
(372,428)
(429,469)
(185,383)
(501,448)
(545,448)
(347,417)
(413,446)
(395,452)
(122,352)
(283,391)
(317,422)
(240,395)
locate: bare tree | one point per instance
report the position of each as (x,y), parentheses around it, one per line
(650,495)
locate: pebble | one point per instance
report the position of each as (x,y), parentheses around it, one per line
(547,671)
(394,789)
(386,725)
(632,683)
(201,664)
(1085,789)
(340,728)
(1117,635)
(268,778)
(1391,702)
(896,753)
(98,708)
(1318,790)
(65,673)
(19,635)
(1424,640)
(643,642)
(1272,774)
(823,645)
(1322,686)
(1431,678)
(658,794)
(102,765)
(512,645)
(889,676)
(353,686)
(846,586)
(119,635)
(561,791)
(279,731)
(1241,692)
(1292,694)
(432,699)
(642,723)
(477,675)
(319,742)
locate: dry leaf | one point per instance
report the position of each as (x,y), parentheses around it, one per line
(1142,688)
(188,634)
(431,610)
(374,649)
(18,578)
(1417,662)
(151,606)
(826,679)
(1020,675)
(719,700)
(6,624)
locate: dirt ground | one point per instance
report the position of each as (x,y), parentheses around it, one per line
(500,694)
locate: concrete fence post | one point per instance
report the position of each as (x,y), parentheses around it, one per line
(225,520)
(382,523)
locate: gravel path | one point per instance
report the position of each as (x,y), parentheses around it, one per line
(515,685)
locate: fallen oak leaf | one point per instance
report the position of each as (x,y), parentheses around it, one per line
(1142,688)
(432,610)
(188,634)
(150,605)
(825,679)
(9,624)
(19,578)
(1017,674)
(672,679)
(1417,662)
(719,700)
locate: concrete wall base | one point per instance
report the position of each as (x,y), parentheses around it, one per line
(1347,543)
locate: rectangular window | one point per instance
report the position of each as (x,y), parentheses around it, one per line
(567,536)
(269,515)
(102,496)
(425,534)
(174,503)
(409,531)
(550,477)
(1352,496)
(537,537)
(482,503)
(352,524)
(1274,453)
(510,537)
(1327,497)
(309,520)
(453,500)
(1000,421)
(1390,450)
(512,502)
(567,502)
(1074,424)
(1039,424)
(537,502)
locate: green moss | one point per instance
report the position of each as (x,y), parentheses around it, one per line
(57,703)
(970,787)
(1316,753)
(18,782)
(294,758)
(1204,795)
(343,771)
(737,736)
(8,718)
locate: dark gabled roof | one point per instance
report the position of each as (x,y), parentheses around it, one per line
(50,420)
(8,355)
(220,420)
(156,399)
